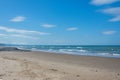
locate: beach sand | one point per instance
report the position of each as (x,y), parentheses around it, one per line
(49,66)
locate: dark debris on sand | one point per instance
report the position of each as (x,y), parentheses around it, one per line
(11,49)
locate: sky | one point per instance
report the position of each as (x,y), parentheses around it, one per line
(60,22)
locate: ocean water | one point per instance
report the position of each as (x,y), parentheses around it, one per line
(88,50)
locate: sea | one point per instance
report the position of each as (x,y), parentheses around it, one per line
(86,50)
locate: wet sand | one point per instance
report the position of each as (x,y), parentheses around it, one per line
(49,66)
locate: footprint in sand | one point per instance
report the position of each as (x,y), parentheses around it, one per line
(53,69)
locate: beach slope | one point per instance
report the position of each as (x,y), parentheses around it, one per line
(16,65)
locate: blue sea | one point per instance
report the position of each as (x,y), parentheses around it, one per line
(87,50)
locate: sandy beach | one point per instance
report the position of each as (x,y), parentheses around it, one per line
(49,66)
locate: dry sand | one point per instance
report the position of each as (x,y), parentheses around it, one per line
(50,66)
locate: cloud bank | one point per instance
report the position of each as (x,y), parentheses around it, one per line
(113,11)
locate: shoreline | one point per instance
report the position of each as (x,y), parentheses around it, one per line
(71,58)
(102,54)
(76,54)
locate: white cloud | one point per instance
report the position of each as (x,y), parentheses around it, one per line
(48,25)
(103,2)
(22,36)
(114,11)
(18,19)
(3,35)
(17,39)
(72,28)
(117,18)
(17,35)
(12,30)
(109,32)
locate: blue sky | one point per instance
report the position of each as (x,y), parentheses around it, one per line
(83,22)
